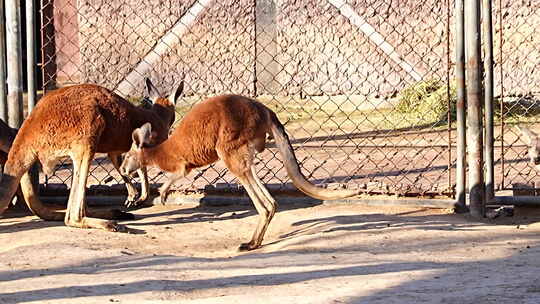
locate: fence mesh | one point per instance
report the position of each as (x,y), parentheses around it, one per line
(517,89)
(363,87)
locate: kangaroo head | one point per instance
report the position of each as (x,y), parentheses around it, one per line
(156,101)
(133,159)
(531,138)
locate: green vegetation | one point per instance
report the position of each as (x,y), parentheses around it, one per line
(427,101)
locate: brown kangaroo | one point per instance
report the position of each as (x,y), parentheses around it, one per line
(231,128)
(79,121)
(7,135)
(533,145)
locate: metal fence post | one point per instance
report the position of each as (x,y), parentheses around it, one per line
(488,99)
(31,72)
(31,54)
(474,109)
(460,108)
(14,63)
(3,87)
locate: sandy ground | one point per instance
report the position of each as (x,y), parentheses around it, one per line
(328,253)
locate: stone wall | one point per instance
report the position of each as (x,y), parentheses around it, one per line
(317,50)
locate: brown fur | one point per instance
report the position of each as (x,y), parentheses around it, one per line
(77,121)
(231,128)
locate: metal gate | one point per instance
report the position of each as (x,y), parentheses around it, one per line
(517,90)
(363,87)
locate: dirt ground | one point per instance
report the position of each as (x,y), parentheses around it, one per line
(325,253)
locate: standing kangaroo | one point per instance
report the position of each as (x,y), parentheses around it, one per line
(231,128)
(79,121)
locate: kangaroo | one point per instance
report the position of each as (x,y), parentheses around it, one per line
(79,121)
(231,128)
(533,145)
(7,135)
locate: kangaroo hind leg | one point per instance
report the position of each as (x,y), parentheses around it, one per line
(76,209)
(240,163)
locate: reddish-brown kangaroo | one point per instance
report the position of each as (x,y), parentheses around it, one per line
(231,128)
(77,122)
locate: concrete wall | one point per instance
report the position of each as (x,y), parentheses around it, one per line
(313,50)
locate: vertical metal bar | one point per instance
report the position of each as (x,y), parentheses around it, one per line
(30,54)
(255,50)
(474,109)
(14,63)
(448,100)
(31,73)
(460,108)
(3,87)
(488,98)
(42,46)
(501,42)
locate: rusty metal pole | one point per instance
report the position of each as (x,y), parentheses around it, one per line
(488,99)
(460,109)
(14,63)
(3,87)
(474,109)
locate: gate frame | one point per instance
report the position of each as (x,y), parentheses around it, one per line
(469,88)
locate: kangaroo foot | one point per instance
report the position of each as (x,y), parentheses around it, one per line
(163,197)
(89,222)
(248,247)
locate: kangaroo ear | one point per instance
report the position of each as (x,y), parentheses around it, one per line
(142,135)
(176,94)
(151,90)
(529,136)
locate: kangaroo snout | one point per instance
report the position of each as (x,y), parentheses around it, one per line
(129,166)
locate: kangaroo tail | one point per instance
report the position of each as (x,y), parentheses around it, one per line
(16,171)
(293,169)
(34,203)
(16,165)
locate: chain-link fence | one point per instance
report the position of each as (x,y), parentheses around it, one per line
(517,89)
(363,87)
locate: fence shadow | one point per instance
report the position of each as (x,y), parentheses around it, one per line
(487,272)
